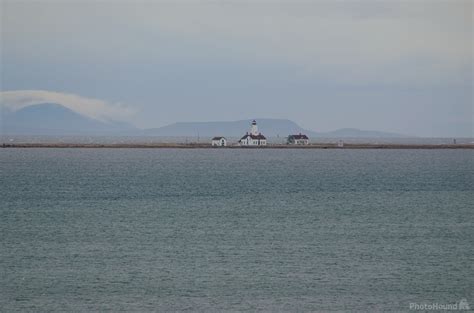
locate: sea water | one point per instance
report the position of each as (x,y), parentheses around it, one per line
(235,230)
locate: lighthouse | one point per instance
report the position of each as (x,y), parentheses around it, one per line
(254,138)
(254,129)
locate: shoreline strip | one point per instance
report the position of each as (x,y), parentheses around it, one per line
(208,146)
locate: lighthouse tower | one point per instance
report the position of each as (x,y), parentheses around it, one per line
(254,138)
(254,129)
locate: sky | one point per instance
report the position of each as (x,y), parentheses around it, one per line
(397,66)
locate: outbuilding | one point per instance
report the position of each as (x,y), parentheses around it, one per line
(219,142)
(299,139)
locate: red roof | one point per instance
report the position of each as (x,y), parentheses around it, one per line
(299,136)
(259,136)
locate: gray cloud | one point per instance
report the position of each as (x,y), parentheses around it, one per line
(362,35)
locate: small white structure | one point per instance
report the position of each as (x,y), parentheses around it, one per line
(340,144)
(219,142)
(254,138)
(299,139)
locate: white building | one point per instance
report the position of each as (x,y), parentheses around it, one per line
(219,142)
(299,139)
(254,137)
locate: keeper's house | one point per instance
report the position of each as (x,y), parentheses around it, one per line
(254,138)
(219,142)
(299,139)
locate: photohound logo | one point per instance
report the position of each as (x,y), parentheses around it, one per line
(461,305)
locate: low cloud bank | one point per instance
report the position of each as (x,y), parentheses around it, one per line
(93,108)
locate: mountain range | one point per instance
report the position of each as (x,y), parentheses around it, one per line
(269,127)
(55,119)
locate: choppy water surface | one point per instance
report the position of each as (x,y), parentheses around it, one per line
(235,230)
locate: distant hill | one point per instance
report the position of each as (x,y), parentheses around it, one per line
(55,119)
(358,133)
(269,127)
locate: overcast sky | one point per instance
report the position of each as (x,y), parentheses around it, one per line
(399,66)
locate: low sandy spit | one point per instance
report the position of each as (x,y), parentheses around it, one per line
(208,146)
